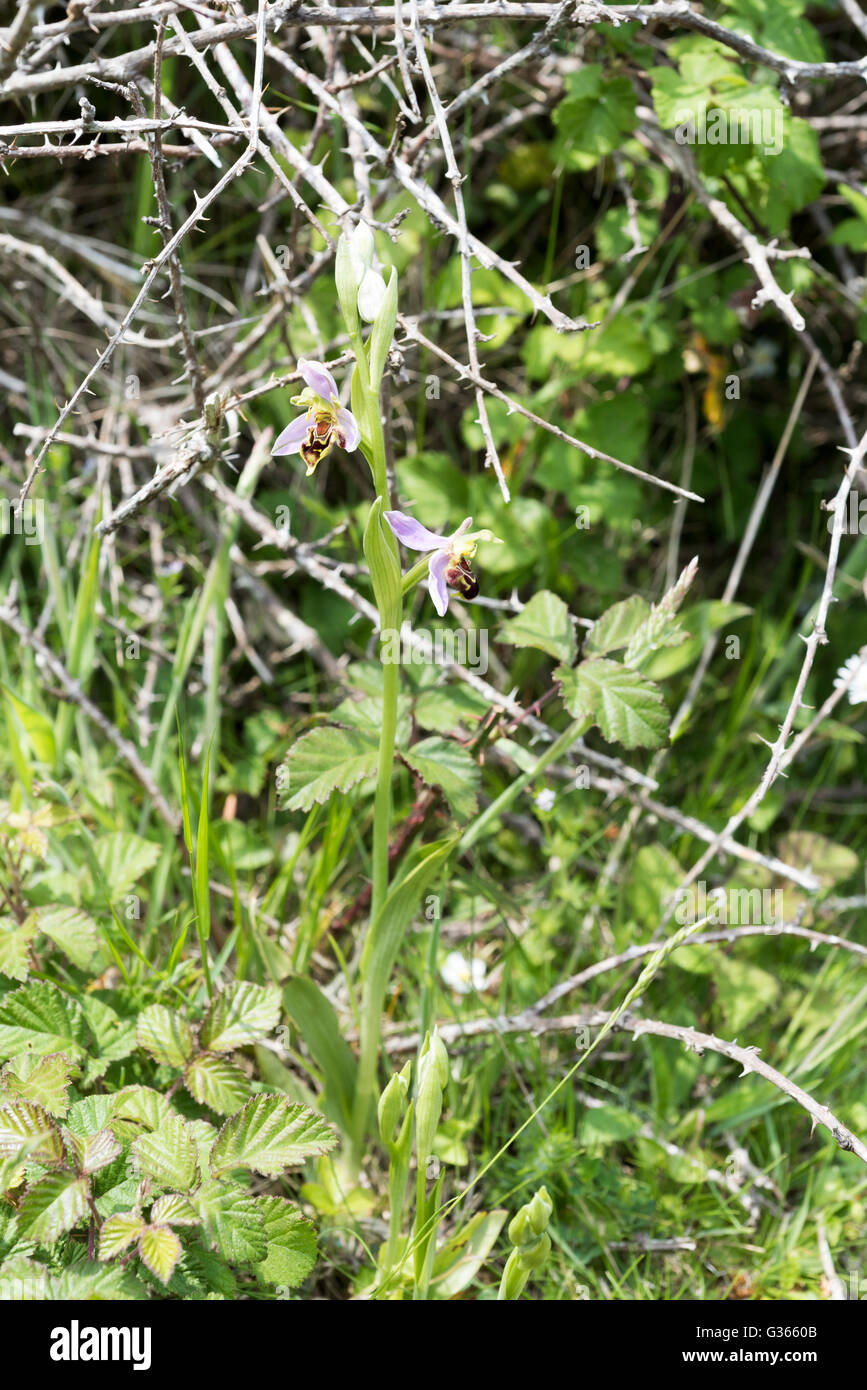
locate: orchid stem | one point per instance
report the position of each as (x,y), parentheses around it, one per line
(382,805)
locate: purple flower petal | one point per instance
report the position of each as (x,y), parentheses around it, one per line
(412,534)
(318,378)
(348,427)
(436,581)
(289,441)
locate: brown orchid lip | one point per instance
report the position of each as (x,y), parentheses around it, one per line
(459,576)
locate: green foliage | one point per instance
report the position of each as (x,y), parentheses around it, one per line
(182,1186)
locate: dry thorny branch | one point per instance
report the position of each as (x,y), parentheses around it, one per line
(187,366)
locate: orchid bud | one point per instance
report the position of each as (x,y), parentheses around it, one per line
(429,1095)
(391,1104)
(532,1244)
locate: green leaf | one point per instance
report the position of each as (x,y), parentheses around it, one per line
(93,1282)
(40,1019)
(138,1106)
(382,333)
(232,1221)
(95,1151)
(168,1154)
(457,1265)
(173,1210)
(55,1204)
(38,728)
(118,1232)
(442,763)
(628,708)
(217,1083)
(244,1013)
(44,1080)
(269,1135)
(381,555)
(28,1130)
(596,115)
(544,623)
(15,942)
(291,1243)
(830,862)
(123,859)
(316,1021)
(72,930)
(165,1035)
(617,626)
(160,1250)
(323,761)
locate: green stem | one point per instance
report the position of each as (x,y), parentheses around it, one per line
(372,430)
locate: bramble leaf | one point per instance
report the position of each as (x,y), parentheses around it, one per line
(57,1203)
(269,1135)
(244,1013)
(168,1154)
(160,1250)
(544,623)
(165,1035)
(217,1083)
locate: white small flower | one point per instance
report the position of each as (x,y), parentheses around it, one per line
(462,975)
(857,692)
(546,798)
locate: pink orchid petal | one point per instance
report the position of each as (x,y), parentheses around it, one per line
(412,534)
(289,441)
(349,431)
(318,378)
(436,582)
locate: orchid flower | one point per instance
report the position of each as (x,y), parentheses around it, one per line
(448,566)
(324,423)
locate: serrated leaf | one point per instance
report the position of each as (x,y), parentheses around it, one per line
(123,859)
(544,623)
(40,1019)
(95,1151)
(168,1154)
(93,1282)
(113,1035)
(72,930)
(232,1221)
(291,1243)
(442,763)
(830,862)
(617,626)
(217,1083)
(23,1281)
(173,1210)
(29,1131)
(57,1203)
(244,1013)
(628,708)
(160,1250)
(118,1232)
(269,1135)
(15,942)
(136,1108)
(44,1080)
(165,1035)
(323,761)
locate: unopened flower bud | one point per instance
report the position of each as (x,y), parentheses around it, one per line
(390,1108)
